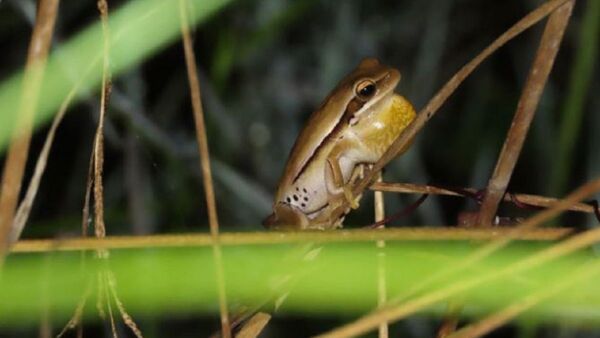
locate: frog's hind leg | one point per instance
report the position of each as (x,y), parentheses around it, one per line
(286,217)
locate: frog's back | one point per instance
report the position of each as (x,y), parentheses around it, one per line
(304,169)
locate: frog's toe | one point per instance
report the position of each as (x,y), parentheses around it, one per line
(353,201)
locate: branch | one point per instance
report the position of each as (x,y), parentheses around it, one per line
(530,97)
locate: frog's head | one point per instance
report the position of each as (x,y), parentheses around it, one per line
(367,89)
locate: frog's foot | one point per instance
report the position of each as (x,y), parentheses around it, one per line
(350,198)
(286,217)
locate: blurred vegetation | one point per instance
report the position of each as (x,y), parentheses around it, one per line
(285,271)
(264,67)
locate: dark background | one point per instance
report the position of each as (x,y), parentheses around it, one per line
(264,66)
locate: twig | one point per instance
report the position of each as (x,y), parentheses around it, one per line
(533,200)
(213,220)
(451,319)
(272,237)
(254,326)
(530,97)
(390,313)
(14,166)
(99,226)
(381,286)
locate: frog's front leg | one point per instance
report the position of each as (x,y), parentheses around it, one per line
(334,174)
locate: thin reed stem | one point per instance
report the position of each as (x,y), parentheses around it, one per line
(192,71)
(273,237)
(381,285)
(532,200)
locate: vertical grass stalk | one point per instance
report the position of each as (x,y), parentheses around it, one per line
(213,221)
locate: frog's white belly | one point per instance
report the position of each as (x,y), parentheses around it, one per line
(309,193)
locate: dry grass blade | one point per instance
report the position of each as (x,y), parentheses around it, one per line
(16,158)
(40,166)
(371,321)
(127,319)
(192,72)
(443,94)
(111,316)
(451,318)
(532,200)
(488,324)
(101,298)
(85,212)
(99,226)
(530,97)
(78,314)
(254,326)
(257,238)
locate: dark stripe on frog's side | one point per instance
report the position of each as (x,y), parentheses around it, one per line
(353,106)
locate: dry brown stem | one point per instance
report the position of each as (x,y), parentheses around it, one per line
(16,158)
(25,207)
(530,97)
(257,238)
(192,71)
(99,226)
(254,326)
(451,318)
(533,200)
(381,286)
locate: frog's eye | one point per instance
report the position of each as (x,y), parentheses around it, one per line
(366,89)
